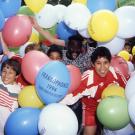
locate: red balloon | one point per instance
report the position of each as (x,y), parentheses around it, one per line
(75,77)
(17,30)
(120,65)
(32,62)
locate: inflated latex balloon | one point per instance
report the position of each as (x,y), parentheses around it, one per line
(10,7)
(29,98)
(103,25)
(47,17)
(60,11)
(52,82)
(112,112)
(113,90)
(17,30)
(115,45)
(77,16)
(124,54)
(25,10)
(2,20)
(126,18)
(129,89)
(32,63)
(35,5)
(75,77)
(80,1)
(23,121)
(57,119)
(95,5)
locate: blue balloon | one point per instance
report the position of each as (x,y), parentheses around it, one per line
(64,32)
(52,82)
(2,20)
(10,7)
(23,121)
(94,5)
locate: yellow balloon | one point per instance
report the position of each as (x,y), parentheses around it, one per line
(124,54)
(29,98)
(103,25)
(35,5)
(80,1)
(113,90)
(133,50)
(34,38)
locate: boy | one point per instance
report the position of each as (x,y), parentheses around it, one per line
(9,90)
(94,81)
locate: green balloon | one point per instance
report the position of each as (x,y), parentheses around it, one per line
(112,112)
(25,11)
(15,50)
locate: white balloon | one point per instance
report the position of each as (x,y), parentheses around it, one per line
(128,130)
(130,87)
(131,108)
(126,18)
(57,119)
(130,66)
(60,11)
(115,45)
(47,17)
(84,33)
(77,16)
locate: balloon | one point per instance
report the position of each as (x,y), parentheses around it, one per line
(25,10)
(133,50)
(2,20)
(75,77)
(113,90)
(60,10)
(17,30)
(130,66)
(84,33)
(120,65)
(131,108)
(112,112)
(94,5)
(47,17)
(23,121)
(103,25)
(57,119)
(64,32)
(32,63)
(34,36)
(29,98)
(10,7)
(129,89)
(35,5)
(126,18)
(127,130)
(124,54)
(115,45)
(52,82)
(80,1)
(73,18)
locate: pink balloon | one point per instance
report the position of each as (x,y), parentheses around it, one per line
(75,77)
(17,30)
(32,62)
(120,65)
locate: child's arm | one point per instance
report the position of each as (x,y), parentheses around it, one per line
(4,45)
(46,33)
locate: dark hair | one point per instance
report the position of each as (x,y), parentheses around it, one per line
(75,39)
(101,52)
(54,48)
(14,64)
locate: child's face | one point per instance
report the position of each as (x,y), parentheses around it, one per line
(55,56)
(102,66)
(8,75)
(127,48)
